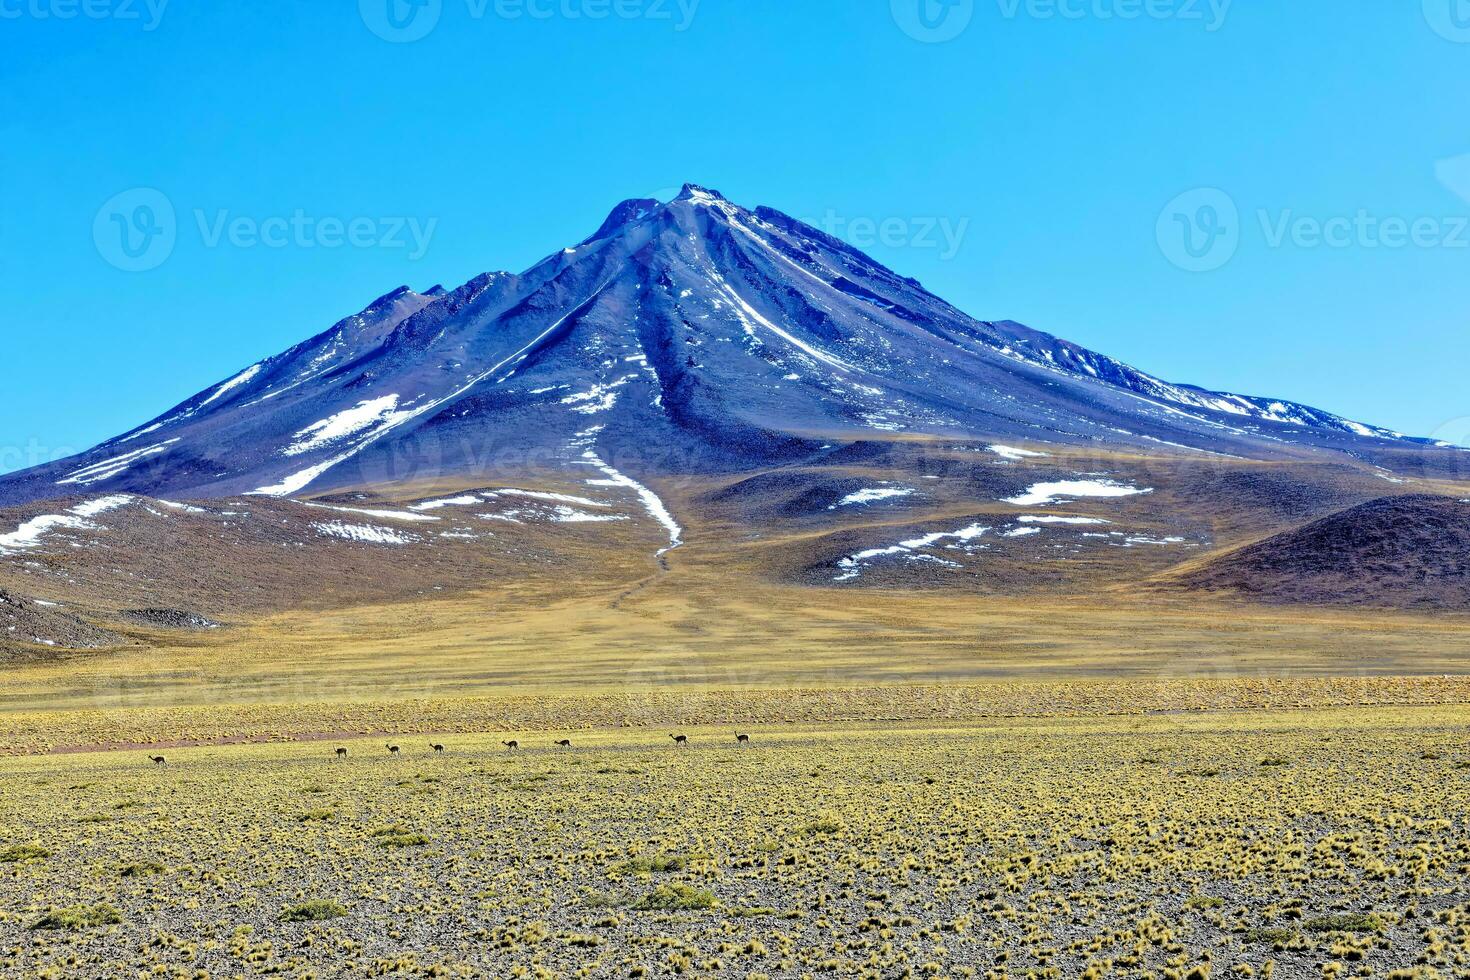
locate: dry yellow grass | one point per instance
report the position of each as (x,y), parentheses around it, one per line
(683,647)
(1311,843)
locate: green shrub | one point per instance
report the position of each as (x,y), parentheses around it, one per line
(79,917)
(658,864)
(316,910)
(1344,923)
(826,824)
(23,852)
(675,896)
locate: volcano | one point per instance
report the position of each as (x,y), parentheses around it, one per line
(693,336)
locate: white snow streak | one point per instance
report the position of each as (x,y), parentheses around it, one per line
(29,534)
(244,377)
(871,495)
(350,422)
(1011,452)
(299,481)
(651,502)
(1049,519)
(1039,494)
(852,566)
(105,470)
(366,534)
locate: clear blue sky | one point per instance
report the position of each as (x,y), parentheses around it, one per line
(1055,142)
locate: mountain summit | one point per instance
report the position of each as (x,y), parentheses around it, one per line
(682,337)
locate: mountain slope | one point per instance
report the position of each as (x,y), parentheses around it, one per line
(1410,551)
(681,338)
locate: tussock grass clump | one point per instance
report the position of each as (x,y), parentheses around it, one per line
(23,852)
(603,900)
(316,910)
(675,897)
(653,864)
(827,823)
(398,836)
(79,917)
(1344,923)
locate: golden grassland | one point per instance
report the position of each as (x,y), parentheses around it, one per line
(1313,843)
(685,648)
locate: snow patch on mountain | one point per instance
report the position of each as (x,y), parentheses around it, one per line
(852,566)
(871,495)
(1039,494)
(468,500)
(30,534)
(1053,519)
(1011,452)
(335,428)
(650,500)
(364,533)
(109,468)
(382,515)
(244,377)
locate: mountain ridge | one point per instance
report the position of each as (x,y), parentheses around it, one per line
(695,333)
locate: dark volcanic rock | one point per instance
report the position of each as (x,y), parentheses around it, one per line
(1403,552)
(26,622)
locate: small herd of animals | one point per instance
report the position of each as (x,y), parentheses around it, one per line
(680,742)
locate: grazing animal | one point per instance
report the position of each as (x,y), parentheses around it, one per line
(742,739)
(392,749)
(341,753)
(158,760)
(682,741)
(511,746)
(565,743)
(436,747)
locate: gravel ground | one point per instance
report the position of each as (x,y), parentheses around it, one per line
(1309,844)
